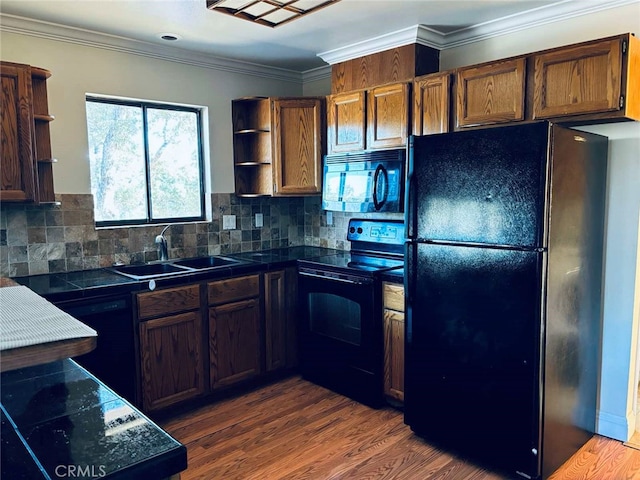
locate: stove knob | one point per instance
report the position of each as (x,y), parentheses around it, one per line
(352,229)
(359,229)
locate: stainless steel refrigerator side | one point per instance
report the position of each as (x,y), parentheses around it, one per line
(573,307)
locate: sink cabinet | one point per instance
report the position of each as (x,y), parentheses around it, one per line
(171,360)
(393,320)
(234,330)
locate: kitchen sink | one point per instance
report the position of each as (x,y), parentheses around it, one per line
(149,270)
(173,267)
(201,263)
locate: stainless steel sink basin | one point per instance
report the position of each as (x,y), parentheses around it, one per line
(173,267)
(201,263)
(149,270)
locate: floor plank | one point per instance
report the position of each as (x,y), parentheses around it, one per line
(294,429)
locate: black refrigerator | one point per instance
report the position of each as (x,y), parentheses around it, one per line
(503,294)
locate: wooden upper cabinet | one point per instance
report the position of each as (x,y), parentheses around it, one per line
(298,139)
(17,175)
(431,104)
(278,145)
(589,78)
(491,93)
(388,116)
(346,118)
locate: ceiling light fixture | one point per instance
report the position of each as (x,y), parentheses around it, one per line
(271,13)
(169,37)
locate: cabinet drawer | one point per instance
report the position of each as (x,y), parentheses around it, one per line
(171,300)
(231,289)
(393,296)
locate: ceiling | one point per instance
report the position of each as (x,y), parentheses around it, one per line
(340,31)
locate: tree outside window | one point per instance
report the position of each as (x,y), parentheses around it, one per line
(145,161)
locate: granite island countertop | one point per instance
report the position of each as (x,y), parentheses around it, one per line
(59,421)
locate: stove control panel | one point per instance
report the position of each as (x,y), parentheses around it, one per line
(378,231)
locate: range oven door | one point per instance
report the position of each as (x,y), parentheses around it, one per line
(341,343)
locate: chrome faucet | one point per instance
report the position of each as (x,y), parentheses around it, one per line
(161,244)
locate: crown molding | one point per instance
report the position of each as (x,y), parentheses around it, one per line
(87,38)
(319,73)
(431,37)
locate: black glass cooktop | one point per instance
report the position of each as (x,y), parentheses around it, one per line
(347,261)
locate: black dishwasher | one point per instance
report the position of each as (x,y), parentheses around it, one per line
(113,359)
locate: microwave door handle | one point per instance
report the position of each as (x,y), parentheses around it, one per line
(378,204)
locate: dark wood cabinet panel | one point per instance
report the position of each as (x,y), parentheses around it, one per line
(171,360)
(167,301)
(234,342)
(275,320)
(491,93)
(346,122)
(231,289)
(388,116)
(298,146)
(17,174)
(431,106)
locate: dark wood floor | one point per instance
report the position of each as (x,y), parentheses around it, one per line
(294,429)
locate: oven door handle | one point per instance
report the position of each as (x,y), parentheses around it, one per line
(363,281)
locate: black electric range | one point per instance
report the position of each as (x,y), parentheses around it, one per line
(341,332)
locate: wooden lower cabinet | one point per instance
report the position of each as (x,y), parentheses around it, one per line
(234,330)
(171,360)
(393,319)
(280,300)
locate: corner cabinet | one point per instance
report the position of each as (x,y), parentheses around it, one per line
(234,330)
(599,78)
(278,145)
(377,118)
(393,320)
(26,174)
(171,360)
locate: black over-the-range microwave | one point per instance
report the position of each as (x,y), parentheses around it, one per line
(370,181)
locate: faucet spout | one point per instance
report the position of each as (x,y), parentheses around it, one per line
(161,245)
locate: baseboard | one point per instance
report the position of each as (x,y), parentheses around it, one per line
(615,426)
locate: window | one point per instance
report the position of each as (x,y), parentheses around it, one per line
(145,161)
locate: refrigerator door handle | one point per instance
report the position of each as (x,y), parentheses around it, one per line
(409,285)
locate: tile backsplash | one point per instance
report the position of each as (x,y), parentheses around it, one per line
(59,238)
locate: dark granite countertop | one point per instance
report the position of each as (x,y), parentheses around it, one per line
(58,419)
(97,282)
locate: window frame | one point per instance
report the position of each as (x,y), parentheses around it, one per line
(145,105)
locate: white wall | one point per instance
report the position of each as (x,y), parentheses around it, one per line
(80,69)
(617,393)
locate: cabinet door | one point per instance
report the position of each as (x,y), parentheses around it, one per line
(234,347)
(492,93)
(298,146)
(17,175)
(171,360)
(275,317)
(347,122)
(388,116)
(280,304)
(394,354)
(431,111)
(576,80)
